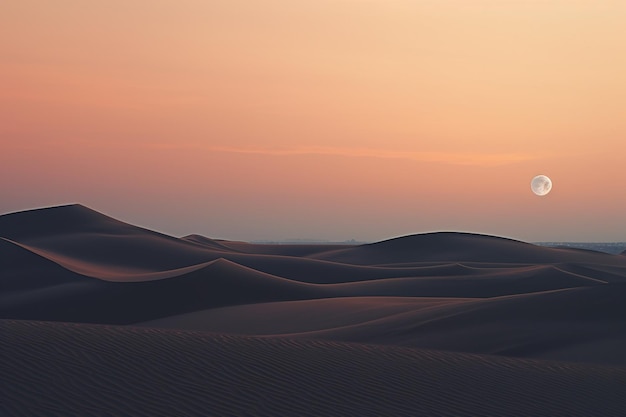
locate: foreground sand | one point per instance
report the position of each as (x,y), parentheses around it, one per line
(99,317)
(77,369)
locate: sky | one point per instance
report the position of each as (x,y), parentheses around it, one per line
(319,119)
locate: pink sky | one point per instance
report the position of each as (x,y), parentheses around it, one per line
(319,119)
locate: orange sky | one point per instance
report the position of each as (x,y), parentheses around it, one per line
(328,119)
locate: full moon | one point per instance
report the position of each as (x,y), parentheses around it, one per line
(541,185)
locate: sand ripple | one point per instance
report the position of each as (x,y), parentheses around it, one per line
(78,369)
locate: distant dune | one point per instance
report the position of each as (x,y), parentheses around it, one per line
(455,247)
(247,329)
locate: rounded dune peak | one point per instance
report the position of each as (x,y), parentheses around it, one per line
(62,219)
(61,207)
(444,238)
(451,246)
(91,243)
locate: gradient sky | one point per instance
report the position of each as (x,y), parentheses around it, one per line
(323,119)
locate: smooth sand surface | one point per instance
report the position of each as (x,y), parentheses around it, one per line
(215,327)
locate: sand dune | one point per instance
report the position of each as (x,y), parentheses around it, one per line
(289,318)
(293,308)
(208,242)
(216,283)
(550,324)
(22,269)
(459,247)
(128,371)
(73,263)
(81,238)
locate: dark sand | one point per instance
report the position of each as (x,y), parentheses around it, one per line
(436,324)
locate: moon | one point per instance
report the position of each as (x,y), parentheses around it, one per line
(541,185)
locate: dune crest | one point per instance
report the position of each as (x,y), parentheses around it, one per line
(457,247)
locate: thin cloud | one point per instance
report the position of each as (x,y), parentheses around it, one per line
(453,158)
(456,158)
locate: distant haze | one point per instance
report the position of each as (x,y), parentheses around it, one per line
(327,119)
